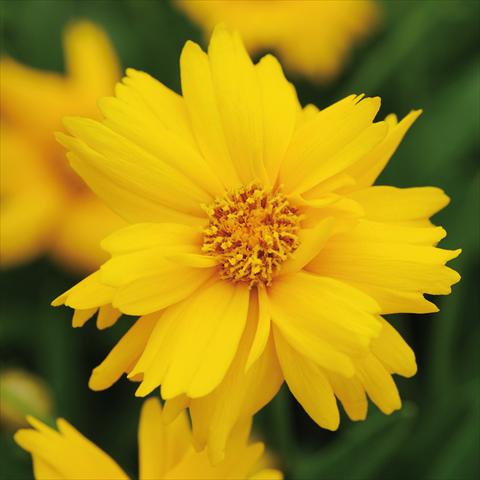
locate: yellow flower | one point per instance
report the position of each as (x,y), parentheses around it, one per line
(258,250)
(165,451)
(22,393)
(312,37)
(45,208)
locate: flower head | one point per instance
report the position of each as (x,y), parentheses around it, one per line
(251,232)
(165,451)
(22,393)
(45,206)
(312,37)
(258,249)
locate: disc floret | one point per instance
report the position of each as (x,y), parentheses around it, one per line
(252,230)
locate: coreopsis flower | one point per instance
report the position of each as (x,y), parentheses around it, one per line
(258,249)
(165,451)
(22,393)
(312,37)
(45,207)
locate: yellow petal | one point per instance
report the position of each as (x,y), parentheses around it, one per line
(379,232)
(336,182)
(238,95)
(344,210)
(156,356)
(138,266)
(67,453)
(369,168)
(378,383)
(312,38)
(316,142)
(127,204)
(131,166)
(42,469)
(332,319)
(200,98)
(143,236)
(124,354)
(411,268)
(90,59)
(280,110)
(195,260)
(194,342)
(160,446)
(213,323)
(241,394)
(32,201)
(267,474)
(308,384)
(308,114)
(390,204)
(311,346)
(152,97)
(89,293)
(77,240)
(396,301)
(92,72)
(393,352)
(351,394)
(145,127)
(107,316)
(173,407)
(240,459)
(26,91)
(311,242)
(169,285)
(122,270)
(80,317)
(151,441)
(263,327)
(351,153)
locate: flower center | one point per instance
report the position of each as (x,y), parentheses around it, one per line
(252,231)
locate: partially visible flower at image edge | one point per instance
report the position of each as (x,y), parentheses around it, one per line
(165,451)
(22,392)
(311,37)
(258,249)
(45,207)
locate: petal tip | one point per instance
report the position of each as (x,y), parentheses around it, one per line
(332,424)
(93,381)
(59,301)
(143,390)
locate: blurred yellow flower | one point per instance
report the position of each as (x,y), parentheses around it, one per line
(312,37)
(22,393)
(165,451)
(45,207)
(259,250)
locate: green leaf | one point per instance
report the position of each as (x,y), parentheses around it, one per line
(462,446)
(400,42)
(361,452)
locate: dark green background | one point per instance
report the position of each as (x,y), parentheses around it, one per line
(425,55)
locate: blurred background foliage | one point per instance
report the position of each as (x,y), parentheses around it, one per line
(423,55)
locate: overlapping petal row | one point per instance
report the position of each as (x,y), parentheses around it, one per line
(220,347)
(165,451)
